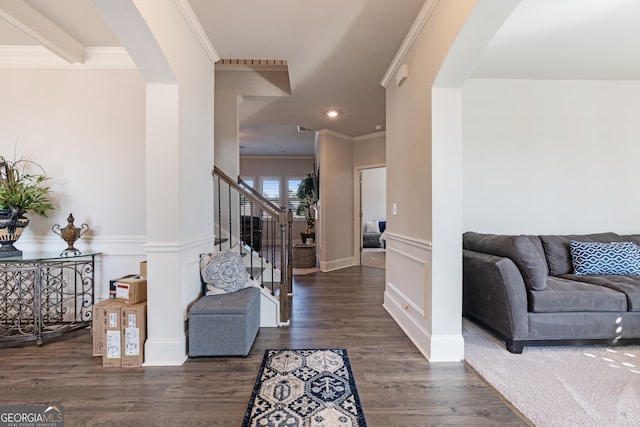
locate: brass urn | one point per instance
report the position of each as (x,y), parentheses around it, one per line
(70,234)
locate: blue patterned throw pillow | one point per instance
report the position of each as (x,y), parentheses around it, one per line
(605,258)
(223,272)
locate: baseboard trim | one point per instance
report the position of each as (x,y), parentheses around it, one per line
(435,348)
(336,264)
(416,332)
(165,352)
(447,348)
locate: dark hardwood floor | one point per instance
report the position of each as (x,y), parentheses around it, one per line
(341,309)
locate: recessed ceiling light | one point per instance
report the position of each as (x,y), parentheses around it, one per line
(332,113)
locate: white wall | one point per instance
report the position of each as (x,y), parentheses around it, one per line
(374,194)
(180,158)
(554,157)
(284,166)
(335,227)
(232,83)
(370,150)
(87,130)
(423,287)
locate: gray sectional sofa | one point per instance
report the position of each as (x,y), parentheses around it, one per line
(524,289)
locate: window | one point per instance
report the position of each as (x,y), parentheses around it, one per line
(292,194)
(271,190)
(280,191)
(245,204)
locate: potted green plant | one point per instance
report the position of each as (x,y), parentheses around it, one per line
(308,199)
(20,193)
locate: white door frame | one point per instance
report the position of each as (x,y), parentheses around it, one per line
(357,209)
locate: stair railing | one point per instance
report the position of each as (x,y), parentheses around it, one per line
(263,229)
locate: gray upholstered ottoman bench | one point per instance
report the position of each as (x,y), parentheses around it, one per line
(225,324)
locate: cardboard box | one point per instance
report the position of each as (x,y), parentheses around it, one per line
(134,334)
(98,324)
(112,284)
(131,290)
(112,354)
(143,269)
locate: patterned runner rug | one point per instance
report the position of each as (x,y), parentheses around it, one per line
(312,387)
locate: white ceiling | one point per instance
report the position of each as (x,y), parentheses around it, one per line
(338,51)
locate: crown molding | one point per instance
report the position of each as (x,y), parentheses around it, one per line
(351,138)
(413,34)
(198,31)
(38,27)
(370,136)
(336,134)
(277,157)
(38,57)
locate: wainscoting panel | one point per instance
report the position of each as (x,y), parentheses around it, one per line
(408,260)
(174,283)
(191,284)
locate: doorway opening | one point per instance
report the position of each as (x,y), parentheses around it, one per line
(373,202)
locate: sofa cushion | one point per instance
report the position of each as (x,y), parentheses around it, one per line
(635,238)
(372,227)
(371,240)
(556,249)
(522,250)
(629,285)
(562,295)
(223,272)
(604,258)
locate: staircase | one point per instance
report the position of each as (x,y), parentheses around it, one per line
(250,224)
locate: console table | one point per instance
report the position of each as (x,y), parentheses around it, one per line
(45,295)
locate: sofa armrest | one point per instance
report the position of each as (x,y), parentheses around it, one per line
(494,293)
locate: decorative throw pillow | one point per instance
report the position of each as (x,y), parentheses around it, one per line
(371,227)
(605,258)
(223,272)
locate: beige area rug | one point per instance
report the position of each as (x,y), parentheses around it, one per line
(560,386)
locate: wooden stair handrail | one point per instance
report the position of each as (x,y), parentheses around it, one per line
(268,207)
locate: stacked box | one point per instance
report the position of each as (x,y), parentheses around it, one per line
(134,334)
(112,283)
(143,269)
(98,324)
(119,323)
(131,289)
(112,352)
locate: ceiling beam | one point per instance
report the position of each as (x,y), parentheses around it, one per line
(132,29)
(37,26)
